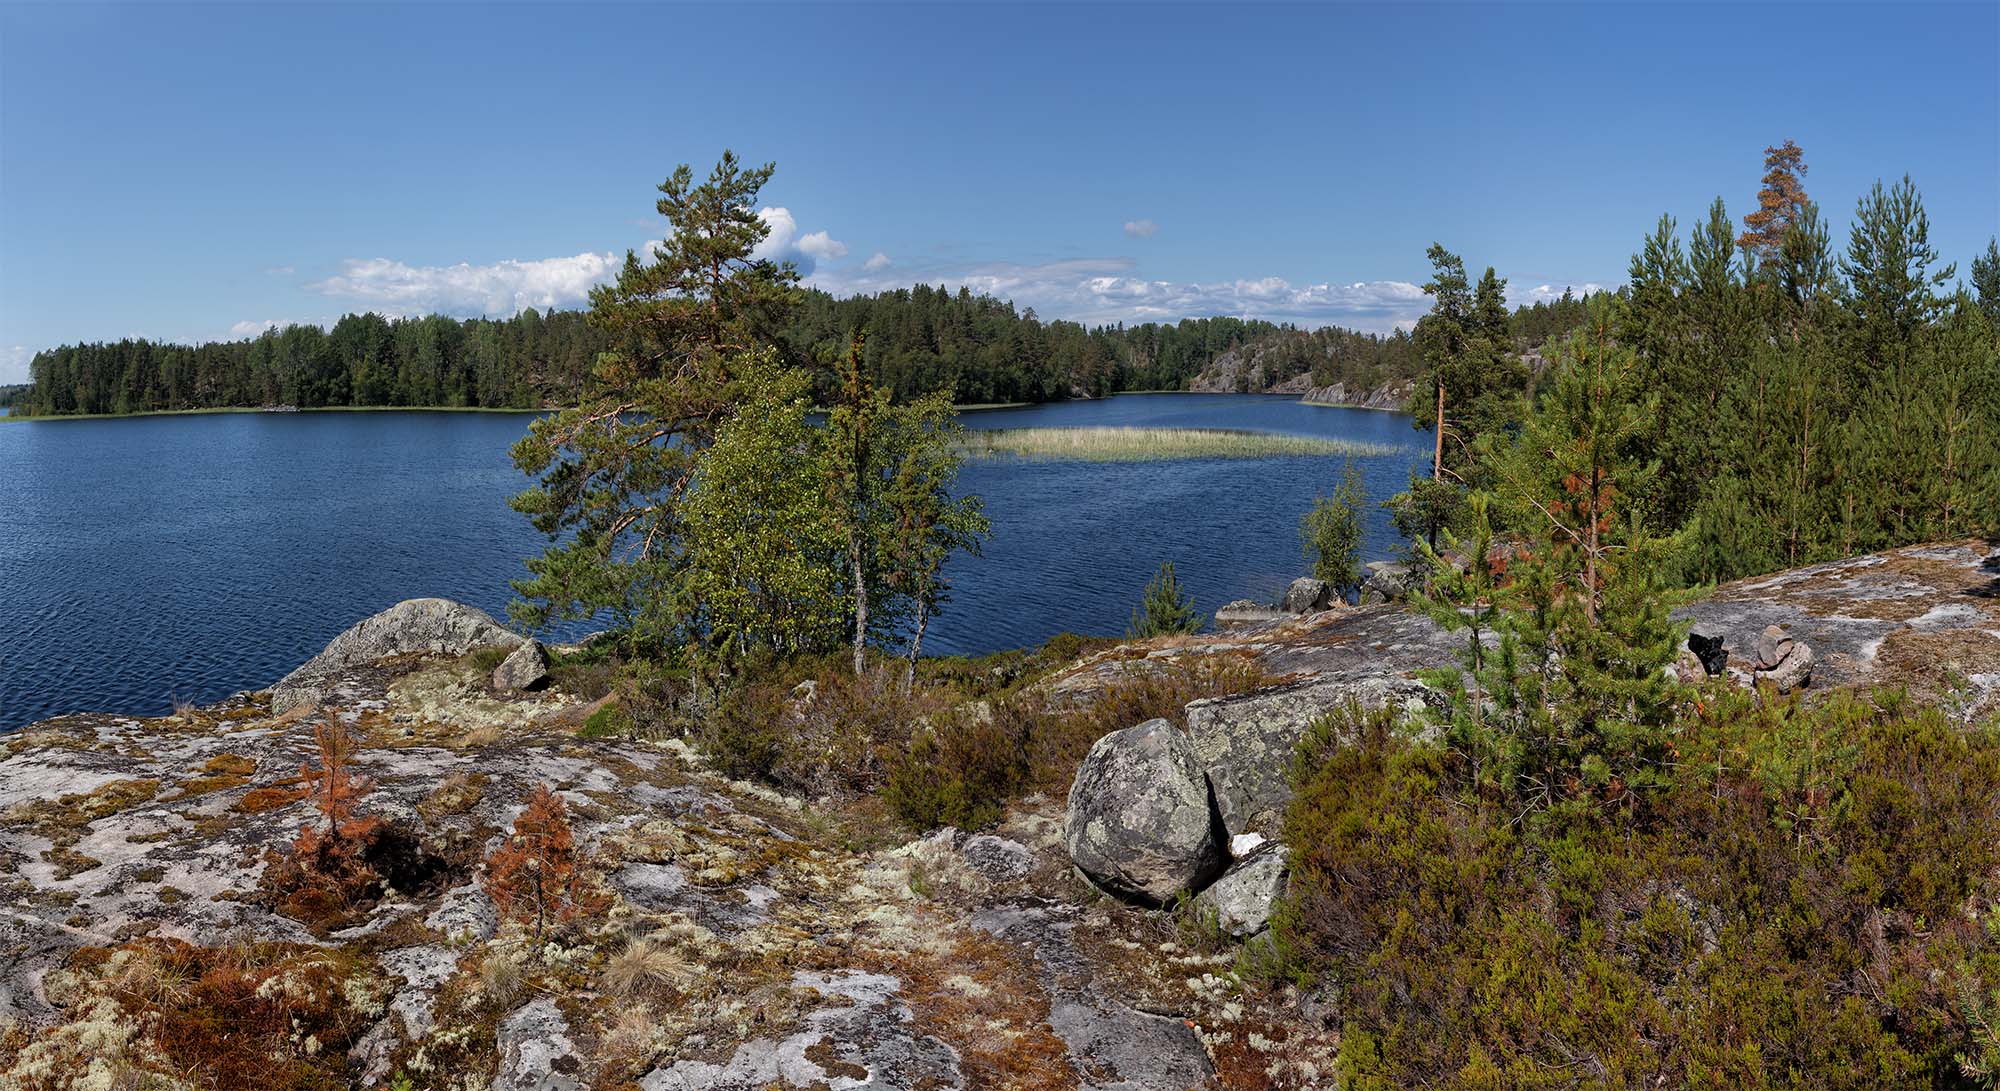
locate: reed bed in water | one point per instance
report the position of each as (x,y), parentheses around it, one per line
(1149,444)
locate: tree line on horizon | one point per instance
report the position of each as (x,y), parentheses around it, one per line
(921,339)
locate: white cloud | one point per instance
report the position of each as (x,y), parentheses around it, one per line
(1102,290)
(14,364)
(251,328)
(1549,293)
(822,247)
(280,271)
(784,243)
(876,264)
(1141,229)
(502,288)
(508,287)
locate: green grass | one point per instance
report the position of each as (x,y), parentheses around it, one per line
(1151,444)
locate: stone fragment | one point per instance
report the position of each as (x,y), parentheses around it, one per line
(1242,900)
(996,858)
(526,668)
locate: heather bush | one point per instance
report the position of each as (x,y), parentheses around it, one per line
(1799,903)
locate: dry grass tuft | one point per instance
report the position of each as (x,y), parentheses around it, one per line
(1154,444)
(646,969)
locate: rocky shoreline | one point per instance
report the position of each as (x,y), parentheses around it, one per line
(752,939)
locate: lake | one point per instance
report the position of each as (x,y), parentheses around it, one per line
(150,559)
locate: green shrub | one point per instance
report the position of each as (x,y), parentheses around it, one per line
(1164,609)
(609,722)
(744,737)
(1793,907)
(961,771)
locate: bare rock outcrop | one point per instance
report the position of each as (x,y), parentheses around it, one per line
(411,627)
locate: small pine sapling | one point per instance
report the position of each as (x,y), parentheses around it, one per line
(538,876)
(331,871)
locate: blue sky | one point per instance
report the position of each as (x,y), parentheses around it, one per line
(198,172)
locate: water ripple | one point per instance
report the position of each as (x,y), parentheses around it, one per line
(157,558)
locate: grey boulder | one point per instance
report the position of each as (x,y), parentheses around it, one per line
(1307,595)
(1386,582)
(1140,823)
(525,668)
(1242,900)
(413,626)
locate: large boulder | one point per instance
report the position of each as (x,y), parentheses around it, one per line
(1307,595)
(1141,824)
(1245,742)
(1386,582)
(1242,900)
(413,626)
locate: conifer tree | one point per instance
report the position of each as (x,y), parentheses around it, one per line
(1780,203)
(1986,281)
(1331,532)
(1574,696)
(1164,609)
(613,469)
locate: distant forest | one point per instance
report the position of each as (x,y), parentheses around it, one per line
(920,339)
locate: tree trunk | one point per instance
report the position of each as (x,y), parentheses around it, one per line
(916,644)
(1437,457)
(860,602)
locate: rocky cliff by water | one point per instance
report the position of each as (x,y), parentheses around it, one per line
(742,938)
(1256,369)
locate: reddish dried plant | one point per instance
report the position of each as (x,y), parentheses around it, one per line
(331,873)
(338,848)
(538,875)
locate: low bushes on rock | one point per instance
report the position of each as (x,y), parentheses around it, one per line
(1802,901)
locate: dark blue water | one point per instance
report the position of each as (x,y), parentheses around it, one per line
(154,558)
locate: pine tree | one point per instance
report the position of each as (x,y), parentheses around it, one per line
(1780,203)
(613,470)
(1986,281)
(1164,609)
(1573,698)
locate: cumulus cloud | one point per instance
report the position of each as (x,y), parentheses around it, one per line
(1102,290)
(784,243)
(508,287)
(822,247)
(251,327)
(1141,229)
(502,288)
(1548,293)
(875,264)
